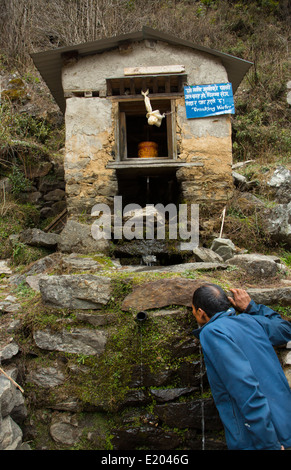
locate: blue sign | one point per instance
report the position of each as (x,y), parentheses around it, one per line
(208,100)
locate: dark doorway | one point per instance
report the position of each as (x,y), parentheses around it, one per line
(152,188)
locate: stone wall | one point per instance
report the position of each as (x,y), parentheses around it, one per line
(96,378)
(89,144)
(207,142)
(12,412)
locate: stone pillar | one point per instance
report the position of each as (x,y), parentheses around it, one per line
(89,146)
(206,144)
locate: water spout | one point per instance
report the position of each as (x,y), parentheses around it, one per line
(141,317)
(149,260)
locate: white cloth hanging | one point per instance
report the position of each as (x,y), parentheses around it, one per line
(153,117)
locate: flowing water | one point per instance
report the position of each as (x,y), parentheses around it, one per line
(140,318)
(141,364)
(202,400)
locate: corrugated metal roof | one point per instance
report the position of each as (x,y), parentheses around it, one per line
(49,63)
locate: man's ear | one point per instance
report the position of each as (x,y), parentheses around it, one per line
(200,316)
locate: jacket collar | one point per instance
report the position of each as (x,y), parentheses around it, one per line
(227,313)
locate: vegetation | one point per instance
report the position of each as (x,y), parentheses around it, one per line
(257,30)
(32,134)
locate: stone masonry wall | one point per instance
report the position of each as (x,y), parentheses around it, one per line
(90,127)
(89,142)
(206,142)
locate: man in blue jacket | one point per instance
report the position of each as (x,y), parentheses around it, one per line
(248,384)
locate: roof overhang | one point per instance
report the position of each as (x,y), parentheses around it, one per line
(49,63)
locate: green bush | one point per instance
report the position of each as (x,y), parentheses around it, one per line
(19,181)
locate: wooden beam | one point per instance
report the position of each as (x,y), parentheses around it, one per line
(155,69)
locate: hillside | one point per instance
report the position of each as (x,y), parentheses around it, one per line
(32,127)
(99,348)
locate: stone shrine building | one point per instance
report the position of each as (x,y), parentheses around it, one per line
(102,88)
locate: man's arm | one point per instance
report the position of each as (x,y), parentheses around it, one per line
(240,300)
(277,329)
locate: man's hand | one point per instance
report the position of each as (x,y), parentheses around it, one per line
(240,300)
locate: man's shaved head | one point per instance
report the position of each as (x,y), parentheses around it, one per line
(211,299)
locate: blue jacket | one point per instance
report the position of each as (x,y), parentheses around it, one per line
(248,384)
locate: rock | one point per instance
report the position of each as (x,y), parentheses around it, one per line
(235,166)
(223,247)
(281,183)
(149,260)
(4,268)
(33,197)
(77,238)
(207,255)
(46,212)
(188,415)
(134,398)
(242,183)
(138,216)
(47,185)
(271,296)
(280,176)
(10,435)
(77,340)
(287,370)
(142,248)
(64,429)
(55,195)
(46,377)
(7,395)
(81,291)
(12,408)
(75,262)
(177,268)
(153,437)
(19,411)
(160,293)
(96,319)
(8,351)
(9,305)
(287,359)
(257,265)
(278,223)
(33,281)
(150,378)
(13,308)
(4,305)
(69,404)
(58,206)
(44,264)
(10,298)
(14,326)
(170,394)
(5,184)
(36,237)
(239,180)
(39,171)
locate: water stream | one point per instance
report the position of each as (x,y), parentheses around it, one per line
(202,399)
(140,318)
(141,363)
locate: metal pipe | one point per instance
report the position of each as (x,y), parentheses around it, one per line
(141,317)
